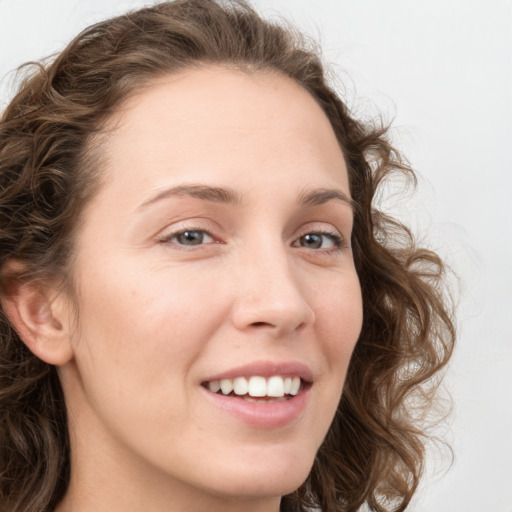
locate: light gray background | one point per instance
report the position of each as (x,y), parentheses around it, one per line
(442,69)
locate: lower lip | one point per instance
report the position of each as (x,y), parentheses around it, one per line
(265,415)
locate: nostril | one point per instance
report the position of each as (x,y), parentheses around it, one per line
(262,324)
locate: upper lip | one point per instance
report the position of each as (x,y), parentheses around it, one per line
(266,369)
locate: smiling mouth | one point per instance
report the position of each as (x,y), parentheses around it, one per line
(257,388)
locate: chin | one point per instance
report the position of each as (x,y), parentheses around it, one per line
(264,487)
(265,476)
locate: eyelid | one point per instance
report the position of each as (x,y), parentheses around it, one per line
(324,228)
(167,235)
(319,228)
(338,242)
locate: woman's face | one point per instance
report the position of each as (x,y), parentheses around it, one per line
(217,252)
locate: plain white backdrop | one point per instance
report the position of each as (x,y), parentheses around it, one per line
(443,70)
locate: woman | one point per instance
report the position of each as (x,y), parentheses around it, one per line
(201,307)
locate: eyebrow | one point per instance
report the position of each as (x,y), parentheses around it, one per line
(226,195)
(321,196)
(205,192)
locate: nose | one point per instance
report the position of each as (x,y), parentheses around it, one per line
(269,296)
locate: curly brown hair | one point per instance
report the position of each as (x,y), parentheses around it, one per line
(374,451)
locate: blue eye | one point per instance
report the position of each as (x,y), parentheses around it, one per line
(191,237)
(319,240)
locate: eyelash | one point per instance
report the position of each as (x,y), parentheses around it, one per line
(169,238)
(337,241)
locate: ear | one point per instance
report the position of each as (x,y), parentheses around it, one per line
(40,315)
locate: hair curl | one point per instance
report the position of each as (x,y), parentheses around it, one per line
(374,450)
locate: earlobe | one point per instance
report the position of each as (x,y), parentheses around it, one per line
(38,315)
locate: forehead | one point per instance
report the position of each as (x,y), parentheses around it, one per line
(223,124)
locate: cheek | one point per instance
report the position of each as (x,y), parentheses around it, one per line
(139,336)
(339,317)
(150,301)
(139,331)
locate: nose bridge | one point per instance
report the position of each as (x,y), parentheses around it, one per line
(269,294)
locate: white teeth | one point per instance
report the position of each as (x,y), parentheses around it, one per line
(240,386)
(287,385)
(295,386)
(275,386)
(226,385)
(256,386)
(214,386)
